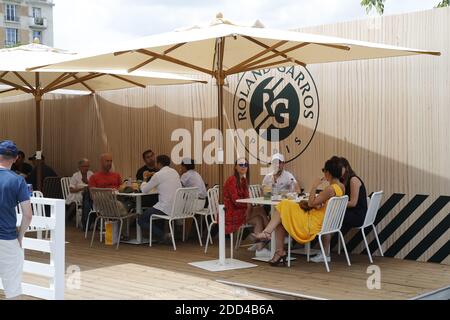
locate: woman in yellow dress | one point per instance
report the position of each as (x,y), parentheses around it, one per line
(303,222)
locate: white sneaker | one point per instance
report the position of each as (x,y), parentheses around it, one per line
(319,258)
(252,247)
(262,253)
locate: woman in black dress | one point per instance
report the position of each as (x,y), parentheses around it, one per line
(357,195)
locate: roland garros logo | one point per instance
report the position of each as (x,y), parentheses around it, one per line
(283,101)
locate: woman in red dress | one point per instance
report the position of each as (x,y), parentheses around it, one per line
(237,214)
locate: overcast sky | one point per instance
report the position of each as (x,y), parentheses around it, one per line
(82,25)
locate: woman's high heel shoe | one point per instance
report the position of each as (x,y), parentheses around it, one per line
(281,259)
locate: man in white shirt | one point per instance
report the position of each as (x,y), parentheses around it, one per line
(279,178)
(191,178)
(77,184)
(166,181)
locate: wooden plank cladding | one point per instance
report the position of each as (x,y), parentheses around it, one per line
(141,272)
(389,117)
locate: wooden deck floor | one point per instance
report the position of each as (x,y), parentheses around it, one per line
(140,272)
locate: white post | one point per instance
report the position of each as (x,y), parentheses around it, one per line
(222,243)
(58,243)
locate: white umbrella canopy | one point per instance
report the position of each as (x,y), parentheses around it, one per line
(245,48)
(14,64)
(16,77)
(222,48)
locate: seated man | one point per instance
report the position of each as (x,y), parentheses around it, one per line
(192,179)
(21,167)
(166,181)
(149,166)
(46,171)
(78,183)
(280,178)
(104,178)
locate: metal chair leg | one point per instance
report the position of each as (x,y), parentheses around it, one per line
(308,250)
(367,246)
(324,255)
(150,231)
(207,238)
(238,236)
(120,233)
(171,227)
(93,231)
(87,225)
(378,240)
(201,225)
(210,237)
(339,245)
(289,251)
(101,229)
(198,231)
(345,248)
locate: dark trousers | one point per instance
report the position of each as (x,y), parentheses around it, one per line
(86,208)
(157,225)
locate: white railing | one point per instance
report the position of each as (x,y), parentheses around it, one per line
(55,246)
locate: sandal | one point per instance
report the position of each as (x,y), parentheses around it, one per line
(261,237)
(278,258)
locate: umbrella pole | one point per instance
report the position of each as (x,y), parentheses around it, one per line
(38,98)
(220,77)
(221,129)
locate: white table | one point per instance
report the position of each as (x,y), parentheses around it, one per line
(138,196)
(272,204)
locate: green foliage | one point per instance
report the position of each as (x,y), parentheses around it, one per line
(443,3)
(379,5)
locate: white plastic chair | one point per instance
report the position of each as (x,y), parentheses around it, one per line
(87,222)
(203,212)
(65,187)
(332,223)
(255,192)
(372,210)
(182,208)
(108,208)
(213,207)
(38,210)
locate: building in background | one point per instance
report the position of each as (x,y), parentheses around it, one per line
(21,21)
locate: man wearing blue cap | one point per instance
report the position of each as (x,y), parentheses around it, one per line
(13,191)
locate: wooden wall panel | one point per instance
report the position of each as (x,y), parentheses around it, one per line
(389,117)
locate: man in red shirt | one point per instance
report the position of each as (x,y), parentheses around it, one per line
(105,178)
(101,179)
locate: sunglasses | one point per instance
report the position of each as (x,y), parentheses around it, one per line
(243,165)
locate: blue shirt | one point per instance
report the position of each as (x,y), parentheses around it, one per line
(13,190)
